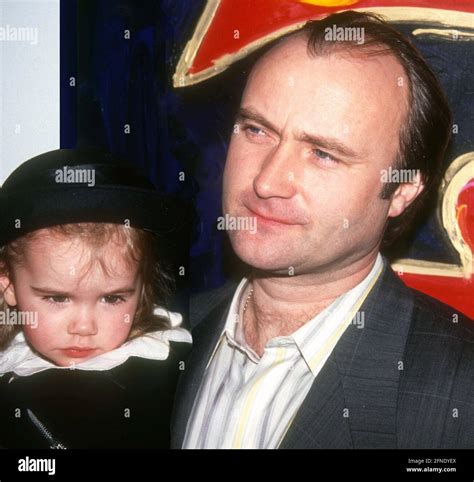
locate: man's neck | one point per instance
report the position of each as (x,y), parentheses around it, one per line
(279,306)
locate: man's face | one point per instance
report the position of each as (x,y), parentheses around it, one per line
(306,158)
(82,310)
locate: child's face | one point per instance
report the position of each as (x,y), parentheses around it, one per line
(82,311)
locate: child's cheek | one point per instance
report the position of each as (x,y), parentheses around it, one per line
(39,336)
(117,328)
(126,321)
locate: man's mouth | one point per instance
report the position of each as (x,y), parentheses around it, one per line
(269,219)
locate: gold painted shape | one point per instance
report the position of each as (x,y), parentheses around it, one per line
(450,34)
(458,174)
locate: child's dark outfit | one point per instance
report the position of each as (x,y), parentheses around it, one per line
(122,398)
(92,406)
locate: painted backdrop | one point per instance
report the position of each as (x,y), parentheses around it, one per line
(159,82)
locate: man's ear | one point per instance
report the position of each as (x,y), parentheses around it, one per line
(404,195)
(7,290)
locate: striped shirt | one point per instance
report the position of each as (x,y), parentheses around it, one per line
(247,401)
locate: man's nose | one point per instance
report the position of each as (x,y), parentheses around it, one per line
(83,323)
(277,176)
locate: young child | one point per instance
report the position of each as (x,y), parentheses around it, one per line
(87,360)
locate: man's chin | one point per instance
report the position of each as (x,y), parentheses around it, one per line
(265,253)
(265,261)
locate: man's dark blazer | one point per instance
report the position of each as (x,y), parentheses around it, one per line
(406,378)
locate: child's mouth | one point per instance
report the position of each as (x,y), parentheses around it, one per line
(76,352)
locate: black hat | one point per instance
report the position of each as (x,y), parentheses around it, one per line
(85,185)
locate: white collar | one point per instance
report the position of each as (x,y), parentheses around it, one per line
(325,323)
(20,359)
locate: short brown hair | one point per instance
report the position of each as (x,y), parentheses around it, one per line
(425,135)
(137,246)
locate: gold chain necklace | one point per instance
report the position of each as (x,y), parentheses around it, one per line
(248,299)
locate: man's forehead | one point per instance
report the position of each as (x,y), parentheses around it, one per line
(292,56)
(339,79)
(358,100)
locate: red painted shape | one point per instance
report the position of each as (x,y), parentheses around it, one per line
(465,212)
(456,292)
(254,19)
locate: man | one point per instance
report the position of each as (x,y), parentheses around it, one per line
(321,346)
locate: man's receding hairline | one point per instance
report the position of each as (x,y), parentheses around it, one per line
(332,48)
(338,48)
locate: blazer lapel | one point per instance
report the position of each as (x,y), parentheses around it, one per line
(353,401)
(205,337)
(320,421)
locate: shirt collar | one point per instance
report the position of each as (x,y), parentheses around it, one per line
(308,338)
(326,327)
(232,330)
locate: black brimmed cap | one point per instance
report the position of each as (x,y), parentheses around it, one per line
(85,185)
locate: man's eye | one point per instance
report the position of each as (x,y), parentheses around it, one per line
(253,130)
(113,299)
(323,155)
(55,299)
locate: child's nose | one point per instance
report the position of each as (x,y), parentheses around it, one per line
(83,324)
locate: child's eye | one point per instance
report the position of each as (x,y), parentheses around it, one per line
(113,299)
(55,299)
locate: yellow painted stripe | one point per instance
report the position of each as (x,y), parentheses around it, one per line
(330,3)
